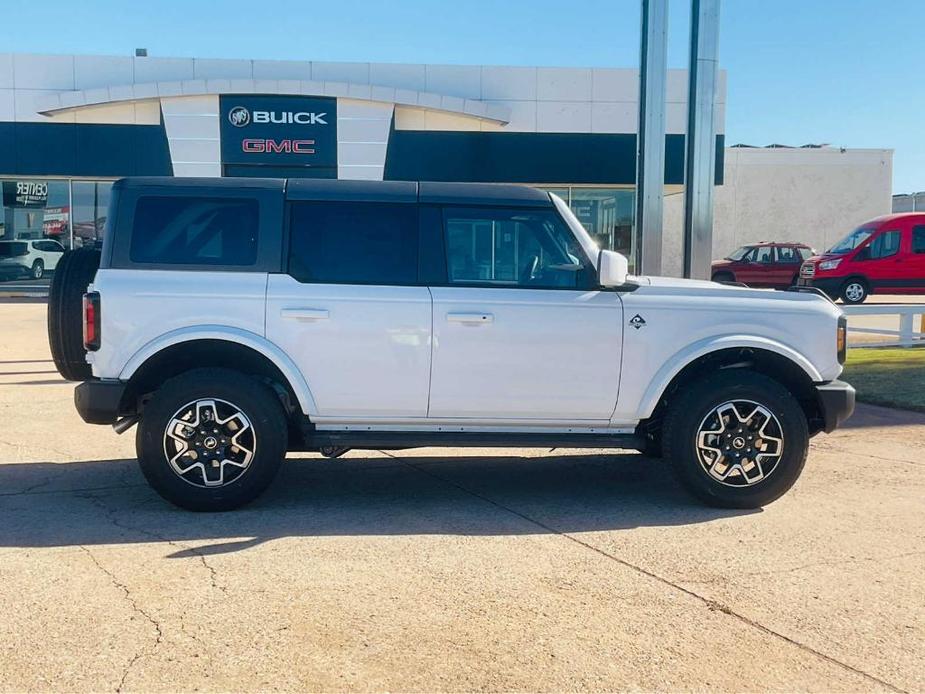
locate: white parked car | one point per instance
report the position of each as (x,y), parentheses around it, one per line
(234,320)
(29,257)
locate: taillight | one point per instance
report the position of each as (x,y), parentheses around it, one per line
(91,321)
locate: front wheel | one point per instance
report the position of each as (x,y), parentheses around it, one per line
(211,439)
(855,291)
(736,439)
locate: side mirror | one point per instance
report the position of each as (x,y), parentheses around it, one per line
(612,269)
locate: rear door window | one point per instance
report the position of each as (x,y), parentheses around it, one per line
(918,239)
(354,243)
(787,254)
(180,230)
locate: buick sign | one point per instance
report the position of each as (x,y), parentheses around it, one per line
(278,131)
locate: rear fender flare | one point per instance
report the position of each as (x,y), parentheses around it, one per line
(242,337)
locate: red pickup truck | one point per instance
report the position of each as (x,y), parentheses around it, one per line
(885,255)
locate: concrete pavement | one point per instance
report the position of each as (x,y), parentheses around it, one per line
(449,570)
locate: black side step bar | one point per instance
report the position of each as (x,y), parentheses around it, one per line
(458,439)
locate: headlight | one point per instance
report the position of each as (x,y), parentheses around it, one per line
(829,264)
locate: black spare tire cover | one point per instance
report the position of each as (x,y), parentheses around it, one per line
(73,273)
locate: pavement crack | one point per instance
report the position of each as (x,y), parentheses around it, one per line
(159,634)
(711,604)
(36,489)
(813,565)
(826,446)
(111,516)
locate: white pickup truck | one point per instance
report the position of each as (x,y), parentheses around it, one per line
(234,320)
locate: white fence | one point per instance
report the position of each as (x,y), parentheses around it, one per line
(911,325)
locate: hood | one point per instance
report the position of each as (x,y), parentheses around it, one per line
(678,282)
(819,257)
(723,262)
(706,290)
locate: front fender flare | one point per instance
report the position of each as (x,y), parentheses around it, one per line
(673,366)
(242,337)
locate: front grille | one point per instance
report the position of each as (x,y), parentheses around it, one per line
(808,270)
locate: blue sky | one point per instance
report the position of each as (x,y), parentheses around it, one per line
(846,72)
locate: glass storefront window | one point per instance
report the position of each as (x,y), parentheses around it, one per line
(35,209)
(91,200)
(40,218)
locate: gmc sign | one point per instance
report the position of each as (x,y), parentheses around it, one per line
(278,131)
(278,146)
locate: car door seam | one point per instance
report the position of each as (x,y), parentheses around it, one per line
(433,340)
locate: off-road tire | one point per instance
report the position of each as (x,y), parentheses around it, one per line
(73,273)
(693,402)
(253,398)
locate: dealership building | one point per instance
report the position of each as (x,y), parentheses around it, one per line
(71,124)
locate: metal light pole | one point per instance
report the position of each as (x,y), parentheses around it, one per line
(700,164)
(650,145)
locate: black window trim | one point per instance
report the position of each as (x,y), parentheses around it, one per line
(592,284)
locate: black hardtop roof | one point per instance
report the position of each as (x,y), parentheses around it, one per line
(362,191)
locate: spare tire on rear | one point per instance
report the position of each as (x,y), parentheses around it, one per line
(73,273)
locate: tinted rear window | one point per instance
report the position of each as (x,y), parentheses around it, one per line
(354,243)
(8,250)
(918,239)
(195,231)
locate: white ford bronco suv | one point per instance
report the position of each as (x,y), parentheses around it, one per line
(234,320)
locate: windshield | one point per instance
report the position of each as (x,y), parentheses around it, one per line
(852,240)
(739,254)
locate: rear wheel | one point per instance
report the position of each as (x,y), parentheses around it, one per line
(73,273)
(854,291)
(38,270)
(211,439)
(736,439)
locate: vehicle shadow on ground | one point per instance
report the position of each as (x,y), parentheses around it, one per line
(107,502)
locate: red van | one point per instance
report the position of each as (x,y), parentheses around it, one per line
(885,255)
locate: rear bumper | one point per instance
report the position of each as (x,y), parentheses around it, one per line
(99,402)
(836,400)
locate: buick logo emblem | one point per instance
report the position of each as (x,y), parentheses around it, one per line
(239,116)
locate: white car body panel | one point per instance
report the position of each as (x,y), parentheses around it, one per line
(686,319)
(139,309)
(403,358)
(365,350)
(511,353)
